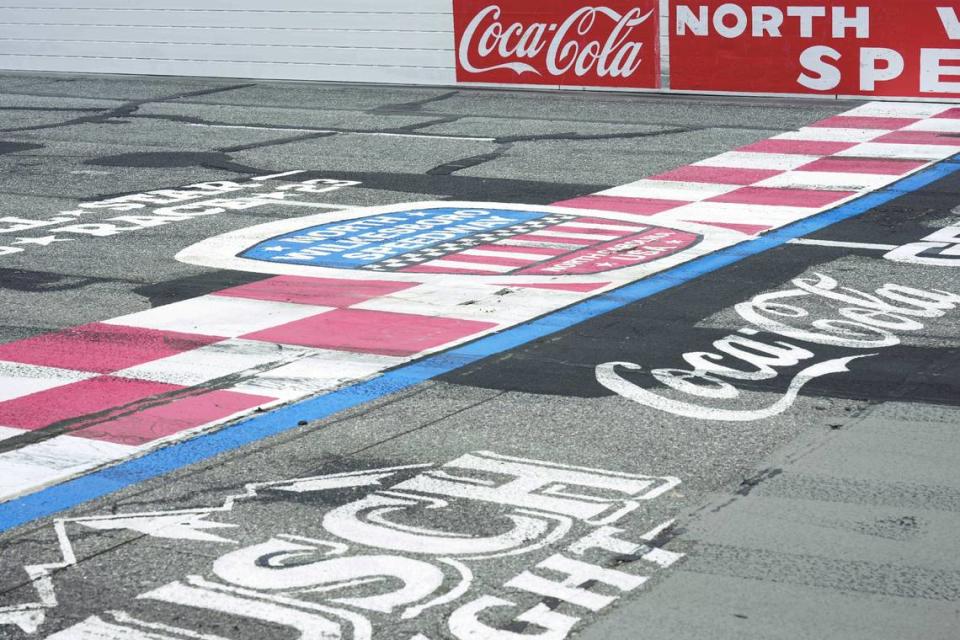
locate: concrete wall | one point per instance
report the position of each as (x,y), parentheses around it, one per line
(399,41)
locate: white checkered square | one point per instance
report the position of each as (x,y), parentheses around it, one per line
(216,361)
(727,213)
(219,316)
(752,160)
(18,380)
(670,190)
(484,302)
(35,465)
(322,371)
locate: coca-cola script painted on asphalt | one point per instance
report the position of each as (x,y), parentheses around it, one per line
(614,44)
(871,322)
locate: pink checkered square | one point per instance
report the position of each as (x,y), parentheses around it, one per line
(872,166)
(800,147)
(377,332)
(950,114)
(325,292)
(812,198)
(865,122)
(73,401)
(172,418)
(717,175)
(100,348)
(921,137)
(639,206)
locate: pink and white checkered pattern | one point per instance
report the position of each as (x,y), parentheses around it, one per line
(117,388)
(794,175)
(123,386)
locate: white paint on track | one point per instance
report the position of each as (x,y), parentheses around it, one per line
(844,245)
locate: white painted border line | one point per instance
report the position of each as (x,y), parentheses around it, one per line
(432,136)
(844,245)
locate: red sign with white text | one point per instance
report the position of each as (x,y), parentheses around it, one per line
(903,48)
(607,43)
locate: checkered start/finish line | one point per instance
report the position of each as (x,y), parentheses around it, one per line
(77,399)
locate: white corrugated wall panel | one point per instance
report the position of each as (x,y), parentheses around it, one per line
(403,41)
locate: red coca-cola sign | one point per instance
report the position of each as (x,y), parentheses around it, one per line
(613,43)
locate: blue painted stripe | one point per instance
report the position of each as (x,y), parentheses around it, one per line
(100,483)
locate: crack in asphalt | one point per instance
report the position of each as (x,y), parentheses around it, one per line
(92,556)
(174,159)
(17,147)
(573,136)
(449,168)
(126,109)
(195,496)
(445,169)
(418,127)
(409,128)
(506,143)
(414,106)
(407,108)
(747,485)
(427,424)
(521,118)
(277,142)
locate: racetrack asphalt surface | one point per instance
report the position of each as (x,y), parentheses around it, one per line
(835,518)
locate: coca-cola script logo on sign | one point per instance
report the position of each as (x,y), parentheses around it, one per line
(561,43)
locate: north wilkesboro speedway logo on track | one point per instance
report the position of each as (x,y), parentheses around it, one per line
(479,241)
(468,239)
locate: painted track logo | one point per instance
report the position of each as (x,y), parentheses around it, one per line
(365,554)
(476,240)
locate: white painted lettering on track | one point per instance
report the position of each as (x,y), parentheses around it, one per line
(163,207)
(870,322)
(374,562)
(939,249)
